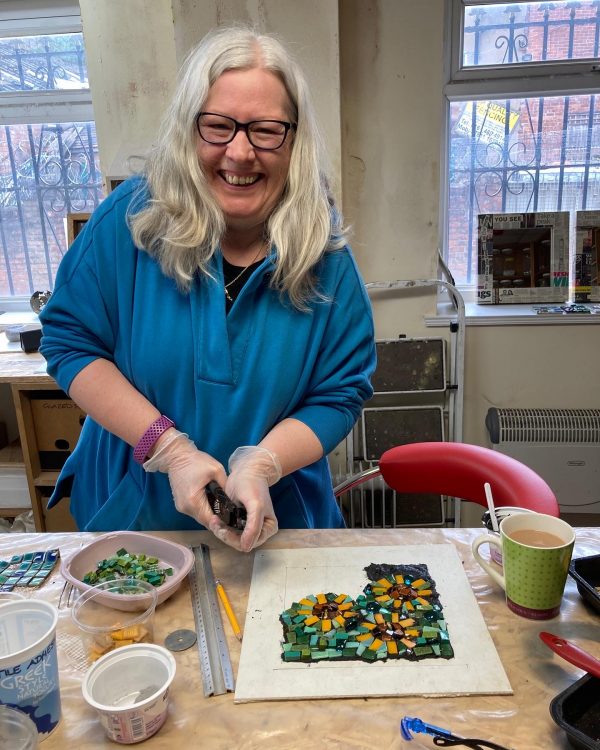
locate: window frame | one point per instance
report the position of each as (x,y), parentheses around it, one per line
(36,107)
(477,83)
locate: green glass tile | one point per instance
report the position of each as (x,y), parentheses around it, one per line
(369,655)
(422,650)
(299,619)
(24,580)
(290,637)
(361,649)
(309,630)
(292,656)
(446,650)
(333,653)
(318,655)
(287,646)
(436,649)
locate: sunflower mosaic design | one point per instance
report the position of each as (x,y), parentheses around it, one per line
(398,615)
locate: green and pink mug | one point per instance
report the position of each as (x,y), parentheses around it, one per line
(536,552)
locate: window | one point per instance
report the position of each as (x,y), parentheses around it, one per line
(523,116)
(48,151)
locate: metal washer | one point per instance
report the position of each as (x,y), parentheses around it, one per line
(180,640)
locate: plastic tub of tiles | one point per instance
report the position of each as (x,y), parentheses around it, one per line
(103,628)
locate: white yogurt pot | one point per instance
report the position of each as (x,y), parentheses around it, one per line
(129,688)
(502,512)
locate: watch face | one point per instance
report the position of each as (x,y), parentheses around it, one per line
(38,300)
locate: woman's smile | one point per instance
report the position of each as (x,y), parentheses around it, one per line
(247,182)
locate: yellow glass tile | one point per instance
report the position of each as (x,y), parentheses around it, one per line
(376,645)
(412,632)
(379,590)
(397,603)
(326,625)
(349,613)
(307,603)
(370,625)
(417,583)
(321,598)
(344,607)
(340,620)
(364,637)
(399,578)
(408,643)
(407,623)
(311,620)
(384,582)
(379,618)
(409,605)
(339,599)
(305,611)
(421,600)
(425,592)
(392,648)
(395,617)
(382,598)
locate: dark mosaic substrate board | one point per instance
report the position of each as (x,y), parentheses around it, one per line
(398,615)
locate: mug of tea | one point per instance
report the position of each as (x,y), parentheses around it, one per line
(536,552)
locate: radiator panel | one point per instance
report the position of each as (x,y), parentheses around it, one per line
(561,445)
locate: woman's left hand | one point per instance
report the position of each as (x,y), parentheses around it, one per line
(253,471)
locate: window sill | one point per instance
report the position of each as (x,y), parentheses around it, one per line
(512,315)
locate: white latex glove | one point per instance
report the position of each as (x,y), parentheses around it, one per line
(189,471)
(252,471)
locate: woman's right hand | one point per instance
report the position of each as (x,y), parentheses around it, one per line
(189,471)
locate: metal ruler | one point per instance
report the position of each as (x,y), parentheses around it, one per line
(215,664)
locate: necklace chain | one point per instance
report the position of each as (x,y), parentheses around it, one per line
(242,272)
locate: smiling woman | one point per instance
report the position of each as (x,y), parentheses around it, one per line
(233,231)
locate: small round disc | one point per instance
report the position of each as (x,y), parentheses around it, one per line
(179,640)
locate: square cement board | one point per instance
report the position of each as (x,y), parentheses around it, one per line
(281,577)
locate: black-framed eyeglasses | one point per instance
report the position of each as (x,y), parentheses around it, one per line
(219,130)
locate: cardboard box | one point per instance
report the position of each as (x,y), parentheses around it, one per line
(57,423)
(586,286)
(523,258)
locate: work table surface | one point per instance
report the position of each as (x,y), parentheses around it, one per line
(521,721)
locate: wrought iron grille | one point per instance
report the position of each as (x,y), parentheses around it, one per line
(525,154)
(46,170)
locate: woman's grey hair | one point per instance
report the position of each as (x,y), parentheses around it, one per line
(182,225)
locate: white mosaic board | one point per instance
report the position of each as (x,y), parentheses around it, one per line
(281,577)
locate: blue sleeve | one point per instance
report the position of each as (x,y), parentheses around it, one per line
(341,382)
(79,323)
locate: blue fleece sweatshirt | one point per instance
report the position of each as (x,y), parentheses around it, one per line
(225,380)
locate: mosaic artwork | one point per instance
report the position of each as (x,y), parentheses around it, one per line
(398,615)
(31,569)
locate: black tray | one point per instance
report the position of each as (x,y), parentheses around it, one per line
(577,711)
(586,572)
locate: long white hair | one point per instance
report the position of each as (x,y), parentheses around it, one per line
(182,225)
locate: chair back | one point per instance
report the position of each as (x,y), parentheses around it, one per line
(461,470)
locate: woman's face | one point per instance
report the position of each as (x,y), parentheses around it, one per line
(246,95)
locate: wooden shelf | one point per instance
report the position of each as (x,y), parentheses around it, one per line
(11,456)
(45,479)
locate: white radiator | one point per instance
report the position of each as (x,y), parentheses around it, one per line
(561,445)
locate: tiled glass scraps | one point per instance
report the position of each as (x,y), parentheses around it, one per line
(30,569)
(398,615)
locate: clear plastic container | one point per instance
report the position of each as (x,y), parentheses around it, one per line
(17,730)
(104,628)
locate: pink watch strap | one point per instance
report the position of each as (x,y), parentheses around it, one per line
(156,429)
